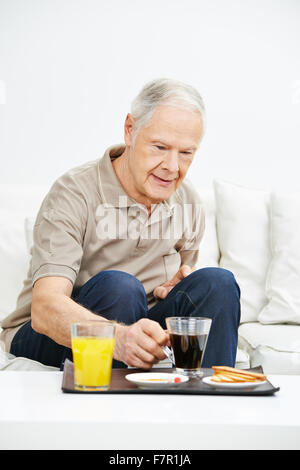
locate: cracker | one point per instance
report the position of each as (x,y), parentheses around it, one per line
(231,375)
(240,372)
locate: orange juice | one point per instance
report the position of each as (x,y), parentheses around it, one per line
(92,358)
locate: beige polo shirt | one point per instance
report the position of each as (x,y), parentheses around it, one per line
(87,224)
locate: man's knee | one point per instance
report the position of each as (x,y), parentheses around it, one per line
(116,295)
(219,283)
(110,281)
(215,278)
(119,283)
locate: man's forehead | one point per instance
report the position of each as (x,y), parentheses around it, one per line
(178,120)
(185,137)
(169,112)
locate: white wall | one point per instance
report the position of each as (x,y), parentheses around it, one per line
(70,68)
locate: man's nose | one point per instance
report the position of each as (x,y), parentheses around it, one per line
(171,162)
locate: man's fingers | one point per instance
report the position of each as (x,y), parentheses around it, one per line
(153,329)
(148,354)
(152,338)
(145,356)
(140,364)
(142,346)
(168,342)
(161,292)
(185,270)
(152,350)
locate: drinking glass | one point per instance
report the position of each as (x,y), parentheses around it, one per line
(188,337)
(92,346)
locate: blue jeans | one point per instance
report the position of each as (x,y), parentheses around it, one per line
(117,295)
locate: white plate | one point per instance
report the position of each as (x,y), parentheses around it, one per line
(161,379)
(208,381)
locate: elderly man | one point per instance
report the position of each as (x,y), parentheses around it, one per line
(118,238)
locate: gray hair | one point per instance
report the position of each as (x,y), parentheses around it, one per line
(164,91)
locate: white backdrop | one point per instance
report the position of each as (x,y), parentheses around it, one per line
(70,68)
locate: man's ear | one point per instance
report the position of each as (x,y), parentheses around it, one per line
(128,129)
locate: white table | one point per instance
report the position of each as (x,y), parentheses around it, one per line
(35,414)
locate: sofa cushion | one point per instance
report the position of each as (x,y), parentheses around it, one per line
(243,235)
(276,347)
(283,279)
(16,202)
(14,260)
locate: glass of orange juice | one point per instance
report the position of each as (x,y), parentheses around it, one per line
(92,347)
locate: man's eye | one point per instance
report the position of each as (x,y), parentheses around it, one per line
(160,147)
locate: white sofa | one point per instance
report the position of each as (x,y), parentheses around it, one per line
(255,234)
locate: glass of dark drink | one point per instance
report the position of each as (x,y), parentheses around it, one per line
(188,336)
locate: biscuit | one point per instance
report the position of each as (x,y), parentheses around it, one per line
(232,375)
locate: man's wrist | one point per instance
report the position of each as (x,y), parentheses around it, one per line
(119,335)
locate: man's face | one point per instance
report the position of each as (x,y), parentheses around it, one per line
(163,151)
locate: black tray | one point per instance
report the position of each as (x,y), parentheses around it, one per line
(119,384)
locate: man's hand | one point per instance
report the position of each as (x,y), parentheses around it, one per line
(162,291)
(139,345)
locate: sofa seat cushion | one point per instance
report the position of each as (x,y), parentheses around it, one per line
(275,347)
(242,360)
(10,362)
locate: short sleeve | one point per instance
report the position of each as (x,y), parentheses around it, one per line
(59,232)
